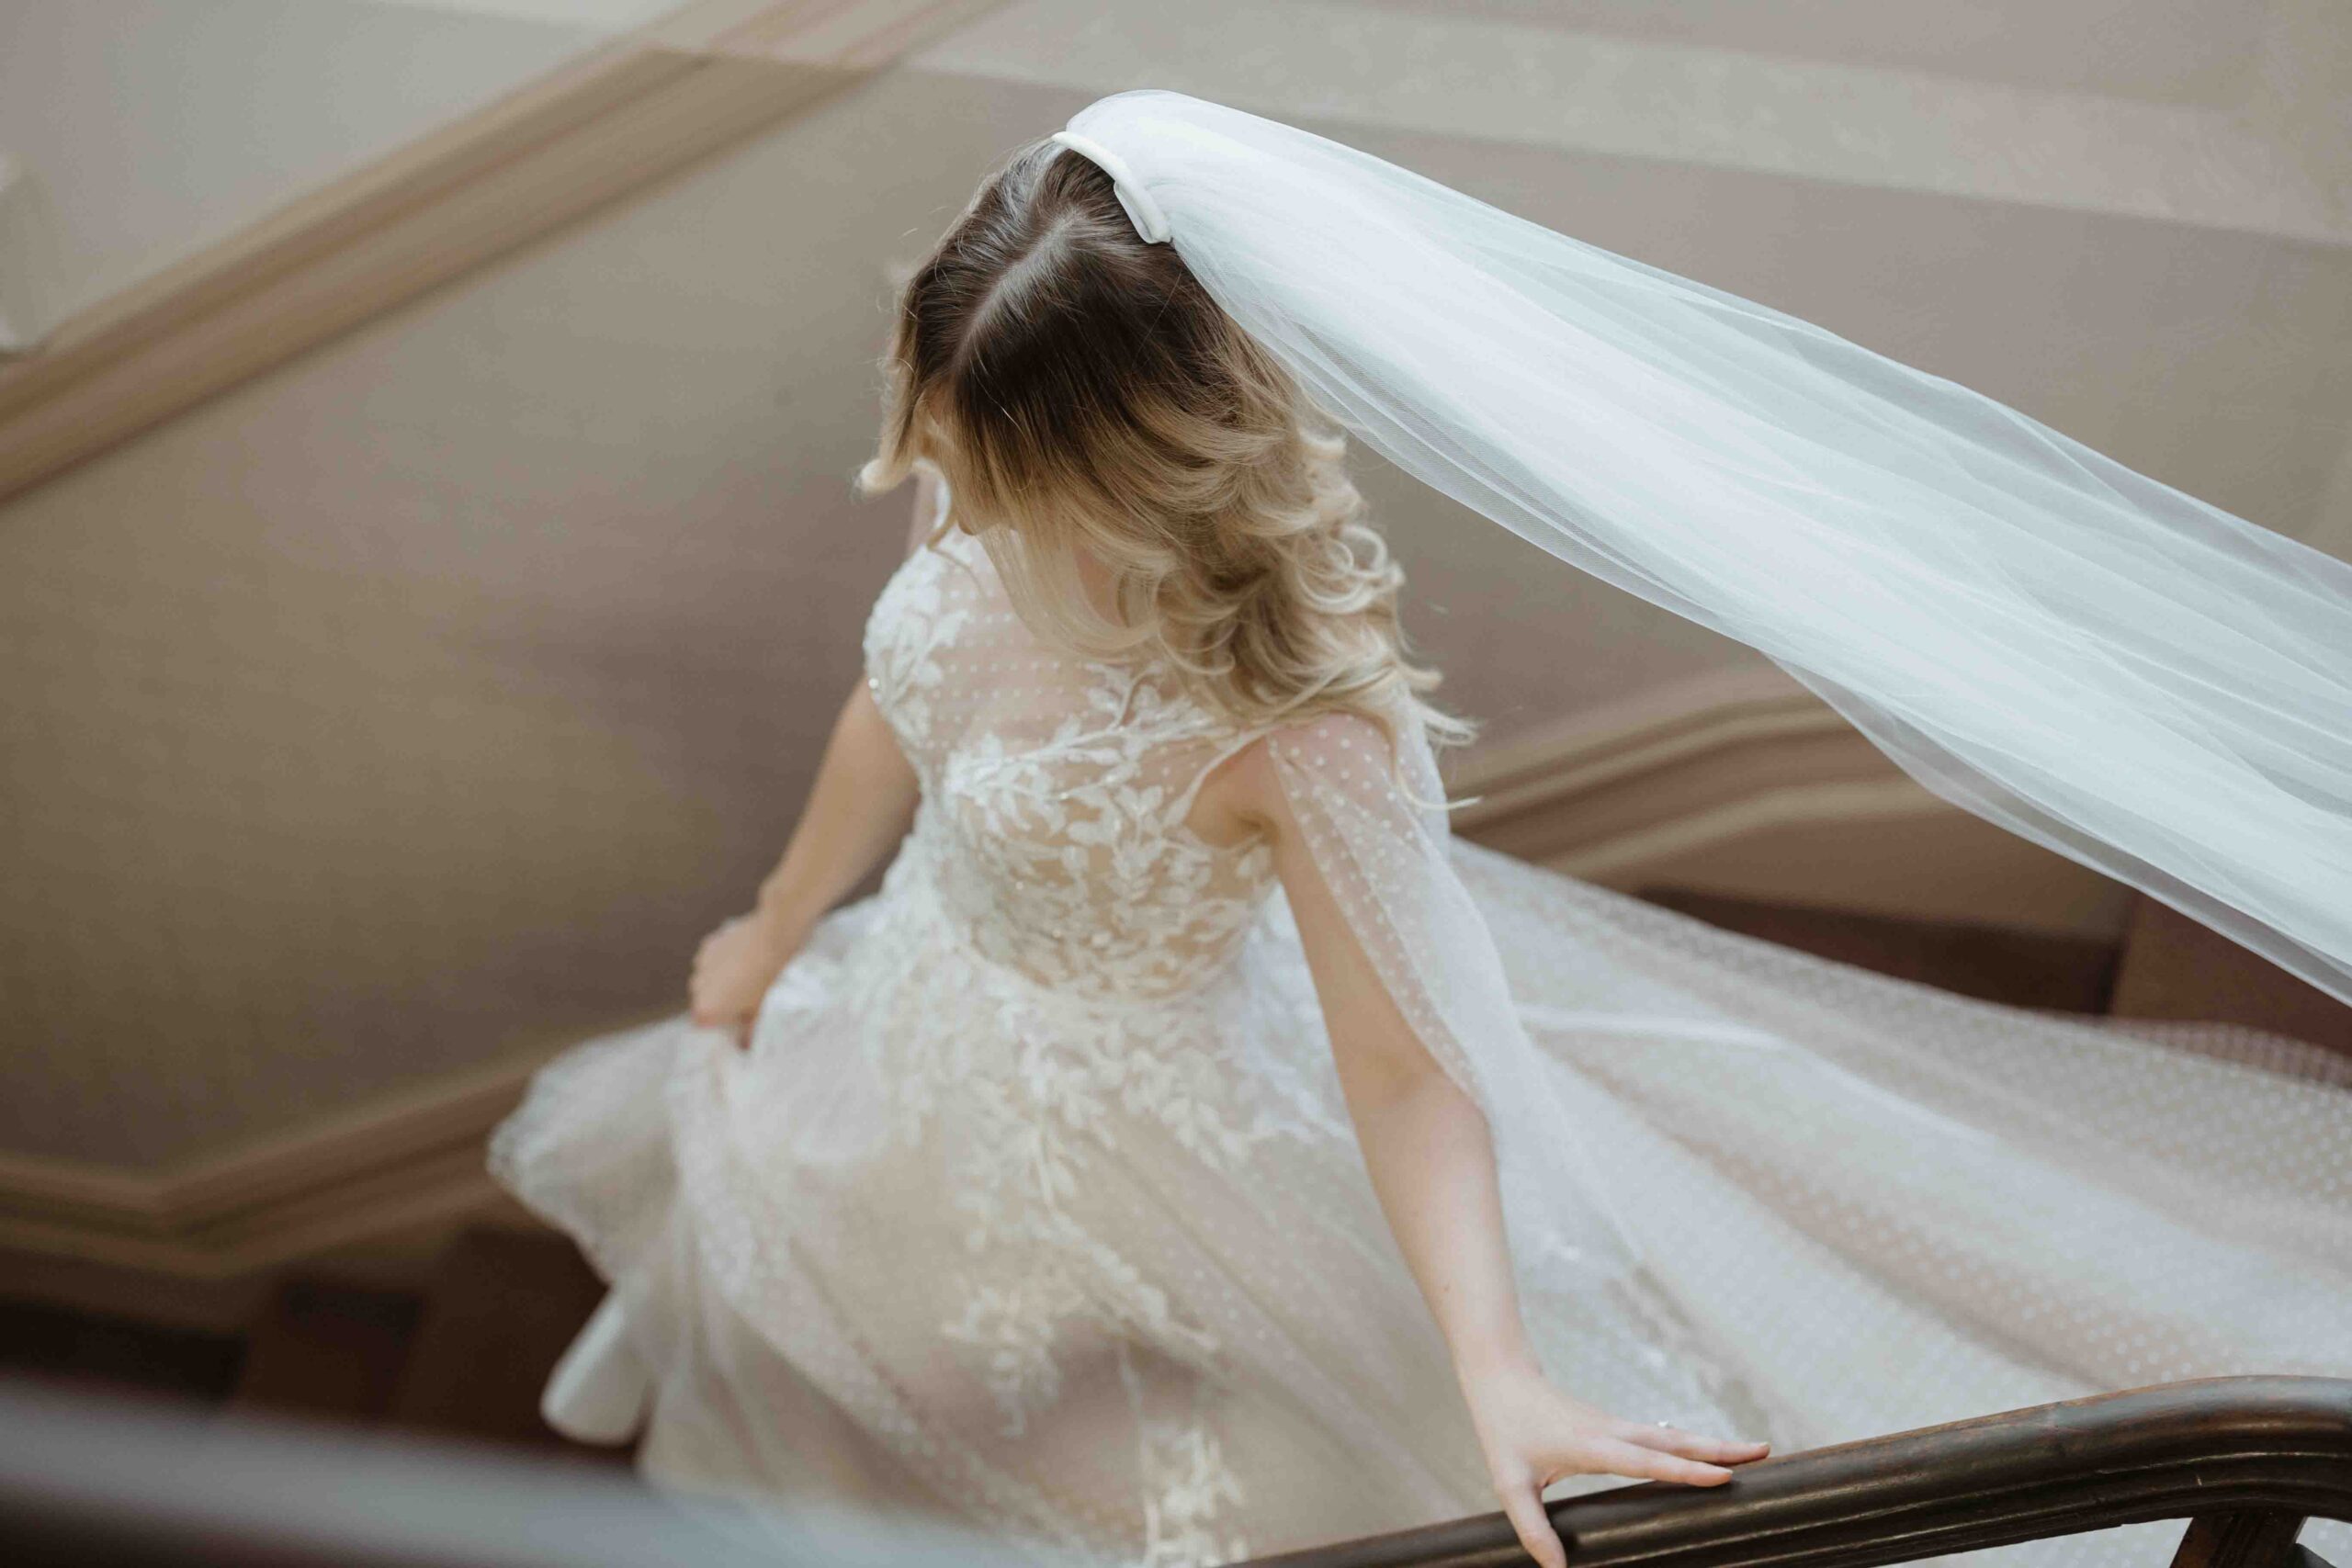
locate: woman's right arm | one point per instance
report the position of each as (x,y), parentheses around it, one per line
(861,805)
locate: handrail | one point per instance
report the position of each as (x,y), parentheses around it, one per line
(2278,1449)
(2246,1459)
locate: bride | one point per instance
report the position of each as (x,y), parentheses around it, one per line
(1193,1152)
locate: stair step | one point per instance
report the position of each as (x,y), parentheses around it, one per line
(502,1308)
(328,1349)
(2000,964)
(2177,967)
(62,1348)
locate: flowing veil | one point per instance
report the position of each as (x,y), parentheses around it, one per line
(2123,673)
(2104,665)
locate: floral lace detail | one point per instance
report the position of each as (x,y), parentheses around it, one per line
(1052,845)
(910,619)
(1036,1268)
(1190,1489)
(1014,1324)
(1065,794)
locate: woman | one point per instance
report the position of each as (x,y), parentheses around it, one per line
(1193,1152)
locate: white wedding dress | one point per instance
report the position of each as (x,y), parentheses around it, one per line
(1035,1197)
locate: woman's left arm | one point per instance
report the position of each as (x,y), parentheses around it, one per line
(1431,1157)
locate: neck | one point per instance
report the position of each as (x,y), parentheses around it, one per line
(1095,578)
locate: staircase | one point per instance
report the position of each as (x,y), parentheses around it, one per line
(2167,967)
(465,1358)
(466,1355)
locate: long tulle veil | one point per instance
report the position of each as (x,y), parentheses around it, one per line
(2120,671)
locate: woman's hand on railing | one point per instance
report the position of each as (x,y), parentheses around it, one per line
(1533,1434)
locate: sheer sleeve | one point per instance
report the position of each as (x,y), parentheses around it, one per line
(1379,838)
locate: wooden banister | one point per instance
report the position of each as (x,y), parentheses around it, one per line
(2247,1460)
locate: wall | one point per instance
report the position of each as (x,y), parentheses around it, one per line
(421,703)
(157,125)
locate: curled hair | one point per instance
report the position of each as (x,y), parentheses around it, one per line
(1083,395)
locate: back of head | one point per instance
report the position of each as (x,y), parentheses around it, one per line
(1085,397)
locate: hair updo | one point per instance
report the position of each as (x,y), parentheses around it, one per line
(1078,387)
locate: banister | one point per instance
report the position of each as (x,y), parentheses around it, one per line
(2199,1449)
(2246,1459)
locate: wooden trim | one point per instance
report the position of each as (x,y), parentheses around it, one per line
(411,1160)
(93,1480)
(593,131)
(1716,758)
(2239,1538)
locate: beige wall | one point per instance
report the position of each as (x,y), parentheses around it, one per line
(426,700)
(158,125)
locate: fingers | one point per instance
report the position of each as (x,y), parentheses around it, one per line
(1523,1506)
(1618,1457)
(1691,1445)
(709,1016)
(705,1008)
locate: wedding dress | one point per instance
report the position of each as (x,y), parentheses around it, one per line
(1035,1196)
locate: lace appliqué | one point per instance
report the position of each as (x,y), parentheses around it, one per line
(1092,883)
(1190,1488)
(1052,844)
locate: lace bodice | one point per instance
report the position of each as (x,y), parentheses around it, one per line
(1052,837)
(1055,790)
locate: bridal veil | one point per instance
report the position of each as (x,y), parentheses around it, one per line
(2125,674)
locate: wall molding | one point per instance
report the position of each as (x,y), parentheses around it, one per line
(598,128)
(1745,784)
(408,1159)
(1619,788)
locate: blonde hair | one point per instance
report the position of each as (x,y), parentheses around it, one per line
(1079,390)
